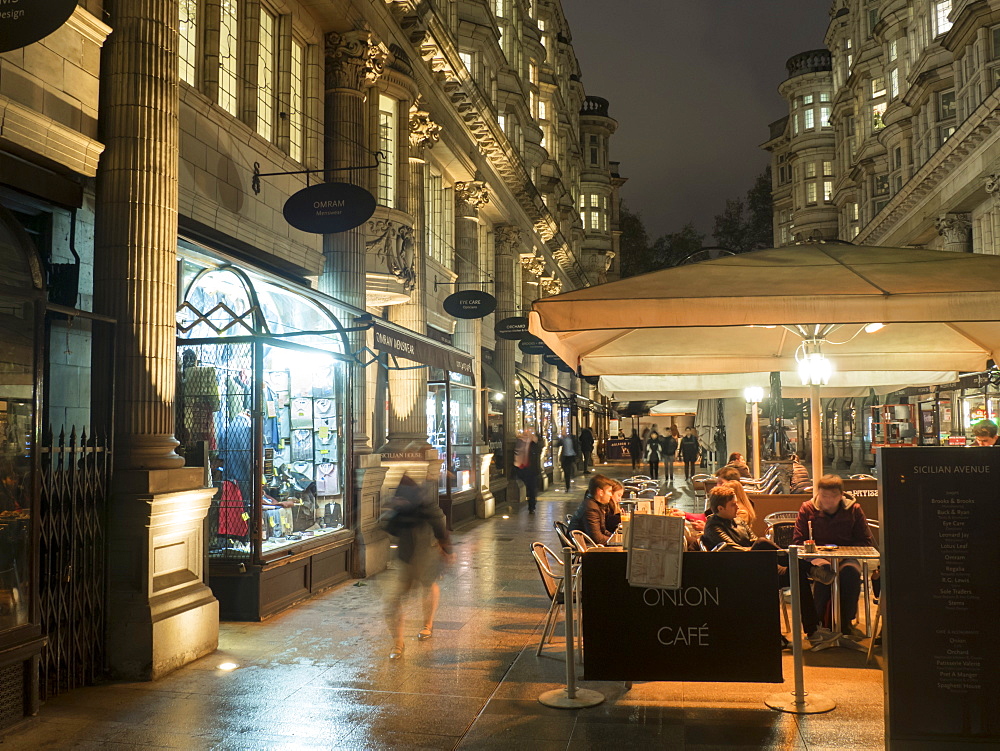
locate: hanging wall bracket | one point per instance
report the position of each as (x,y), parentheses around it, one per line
(257,174)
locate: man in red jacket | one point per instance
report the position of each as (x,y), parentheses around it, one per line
(836,520)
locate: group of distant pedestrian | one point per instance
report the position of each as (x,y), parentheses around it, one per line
(668,447)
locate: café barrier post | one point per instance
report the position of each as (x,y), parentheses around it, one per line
(570,697)
(799,701)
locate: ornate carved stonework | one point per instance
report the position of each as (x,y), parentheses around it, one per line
(424,132)
(533,264)
(470,196)
(393,243)
(993,188)
(954,228)
(550,286)
(507,237)
(354,59)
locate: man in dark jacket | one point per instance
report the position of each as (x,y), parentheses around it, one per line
(835,519)
(586,447)
(668,451)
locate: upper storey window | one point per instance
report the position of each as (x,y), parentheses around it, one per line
(942,8)
(296,102)
(267,40)
(188,43)
(388,109)
(229,43)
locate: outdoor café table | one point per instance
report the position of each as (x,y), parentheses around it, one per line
(835,556)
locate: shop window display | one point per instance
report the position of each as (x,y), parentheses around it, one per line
(267,411)
(450,428)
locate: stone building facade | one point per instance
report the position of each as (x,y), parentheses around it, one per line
(153,145)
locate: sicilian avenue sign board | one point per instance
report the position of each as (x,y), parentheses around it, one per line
(470,303)
(512,328)
(326,208)
(24,22)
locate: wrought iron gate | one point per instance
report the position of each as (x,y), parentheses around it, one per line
(74,473)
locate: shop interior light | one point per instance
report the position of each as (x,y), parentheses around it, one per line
(753,394)
(497,396)
(871,328)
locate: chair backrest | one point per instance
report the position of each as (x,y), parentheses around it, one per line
(639,477)
(583,541)
(548,565)
(780,533)
(650,493)
(781,516)
(562,531)
(863,477)
(630,493)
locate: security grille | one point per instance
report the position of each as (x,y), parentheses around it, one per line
(74,471)
(11,694)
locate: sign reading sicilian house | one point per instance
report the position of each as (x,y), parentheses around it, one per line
(470,303)
(24,22)
(326,208)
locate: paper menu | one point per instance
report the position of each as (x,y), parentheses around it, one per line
(655,551)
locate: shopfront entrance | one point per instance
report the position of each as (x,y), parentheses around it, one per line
(263,399)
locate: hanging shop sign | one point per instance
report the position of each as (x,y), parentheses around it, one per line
(512,328)
(592,380)
(25,22)
(532,345)
(552,359)
(329,207)
(470,303)
(410,347)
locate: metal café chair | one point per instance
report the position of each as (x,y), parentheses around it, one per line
(562,532)
(550,568)
(583,541)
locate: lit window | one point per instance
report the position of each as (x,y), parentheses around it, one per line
(810,194)
(808,123)
(878,87)
(296,102)
(466,58)
(228,55)
(387,113)
(941,10)
(807,99)
(824,117)
(827,191)
(946,107)
(542,114)
(438,230)
(188,43)
(947,132)
(810,169)
(265,75)
(995,49)
(893,53)
(824,96)
(502,122)
(795,125)
(878,110)
(827,168)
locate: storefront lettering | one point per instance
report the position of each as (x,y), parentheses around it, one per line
(691,636)
(383,339)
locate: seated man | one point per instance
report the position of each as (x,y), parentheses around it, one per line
(984,433)
(725,527)
(836,520)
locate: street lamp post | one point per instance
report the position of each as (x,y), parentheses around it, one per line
(754,395)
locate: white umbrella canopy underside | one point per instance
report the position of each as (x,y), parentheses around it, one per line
(728,315)
(731,385)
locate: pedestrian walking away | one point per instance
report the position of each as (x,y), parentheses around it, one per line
(418,523)
(689,450)
(653,455)
(527,464)
(569,452)
(587,448)
(668,450)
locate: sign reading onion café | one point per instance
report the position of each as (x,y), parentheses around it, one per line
(327,208)
(24,22)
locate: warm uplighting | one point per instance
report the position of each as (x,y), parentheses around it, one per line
(871,328)
(753,394)
(227,666)
(505,517)
(393,547)
(498,397)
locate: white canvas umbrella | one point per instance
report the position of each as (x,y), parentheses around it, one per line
(769,310)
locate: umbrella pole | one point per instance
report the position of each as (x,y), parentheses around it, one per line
(815,432)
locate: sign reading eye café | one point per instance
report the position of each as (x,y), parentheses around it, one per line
(24,22)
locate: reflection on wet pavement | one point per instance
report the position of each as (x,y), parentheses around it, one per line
(318,676)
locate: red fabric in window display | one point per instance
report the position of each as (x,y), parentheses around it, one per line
(231,521)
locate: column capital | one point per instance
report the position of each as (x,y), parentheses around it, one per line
(424,132)
(508,237)
(470,196)
(550,285)
(354,59)
(533,264)
(954,228)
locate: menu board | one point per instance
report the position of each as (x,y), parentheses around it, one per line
(655,551)
(721,624)
(941,554)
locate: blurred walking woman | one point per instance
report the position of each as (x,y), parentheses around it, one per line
(592,513)
(653,450)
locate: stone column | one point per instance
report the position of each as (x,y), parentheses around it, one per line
(508,239)
(354,61)
(160,613)
(469,198)
(992,186)
(954,228)
(408,388)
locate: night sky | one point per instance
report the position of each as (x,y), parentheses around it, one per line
(693,86)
